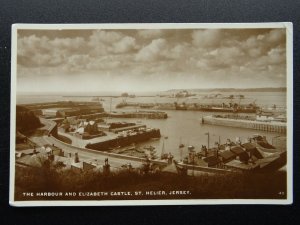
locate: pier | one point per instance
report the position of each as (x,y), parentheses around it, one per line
(207,107)
(278,127)
(140,114)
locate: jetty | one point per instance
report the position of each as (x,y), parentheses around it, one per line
(271,126)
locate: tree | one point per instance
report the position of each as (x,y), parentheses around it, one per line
(26,120)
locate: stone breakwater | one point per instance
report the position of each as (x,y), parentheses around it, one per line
(278,127)
(140,114)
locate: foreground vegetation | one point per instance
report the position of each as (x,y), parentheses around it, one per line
(26,121)
(233,186)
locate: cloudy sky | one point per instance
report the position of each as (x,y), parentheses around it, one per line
(149,60)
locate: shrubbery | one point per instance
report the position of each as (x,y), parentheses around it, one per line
(26,120)
(232,186)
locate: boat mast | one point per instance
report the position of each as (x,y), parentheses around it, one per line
(181,149)
(163,149)
(110,105)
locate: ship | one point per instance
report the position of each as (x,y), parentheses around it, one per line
(215,109)
(233,109)
(146,106)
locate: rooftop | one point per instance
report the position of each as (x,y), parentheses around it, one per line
(237,150)
(249,146)
(211,160)
(227,154)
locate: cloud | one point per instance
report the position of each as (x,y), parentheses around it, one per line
(152,51)
(276,36)
(33,44)
(67,43)
(207,38)
(101,41)
(151,33)
(42,51)
(179,51)
(254,52)
(188,56)
(103,36)
(76,63)
(124,45)
(103,63)
(277,55)
(107,42)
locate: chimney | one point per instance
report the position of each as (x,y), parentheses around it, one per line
(76,159)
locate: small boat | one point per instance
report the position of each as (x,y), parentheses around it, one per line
(154,139)
(180,144)
(140,150)
(154,157)
(151,148)
(152,152)
(130,147)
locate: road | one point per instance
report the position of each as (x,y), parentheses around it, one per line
(84,154)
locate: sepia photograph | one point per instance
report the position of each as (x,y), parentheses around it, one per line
(151,114)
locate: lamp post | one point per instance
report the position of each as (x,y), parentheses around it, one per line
(193,164)
(207,140)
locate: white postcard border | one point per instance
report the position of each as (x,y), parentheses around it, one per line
(289,77)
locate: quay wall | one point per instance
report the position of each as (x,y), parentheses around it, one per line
(248,124)
(148,115)
(52,133)
(124,141)
(108,154)
(208,169)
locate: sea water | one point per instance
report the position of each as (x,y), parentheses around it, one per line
(181,127)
